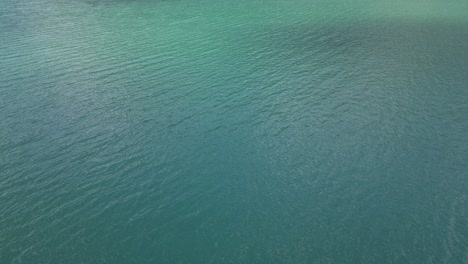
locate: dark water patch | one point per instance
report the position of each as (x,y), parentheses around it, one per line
(406,79)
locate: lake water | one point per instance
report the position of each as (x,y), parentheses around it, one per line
(203,131)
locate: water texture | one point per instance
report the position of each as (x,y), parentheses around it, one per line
(203,131)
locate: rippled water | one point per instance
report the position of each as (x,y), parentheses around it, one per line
(283,131)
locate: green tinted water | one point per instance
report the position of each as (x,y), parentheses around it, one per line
(233,131)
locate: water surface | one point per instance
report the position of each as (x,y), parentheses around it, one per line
(283,131)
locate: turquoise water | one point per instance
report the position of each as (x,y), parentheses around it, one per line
(223,131)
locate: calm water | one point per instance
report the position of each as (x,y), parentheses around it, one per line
(203,131)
